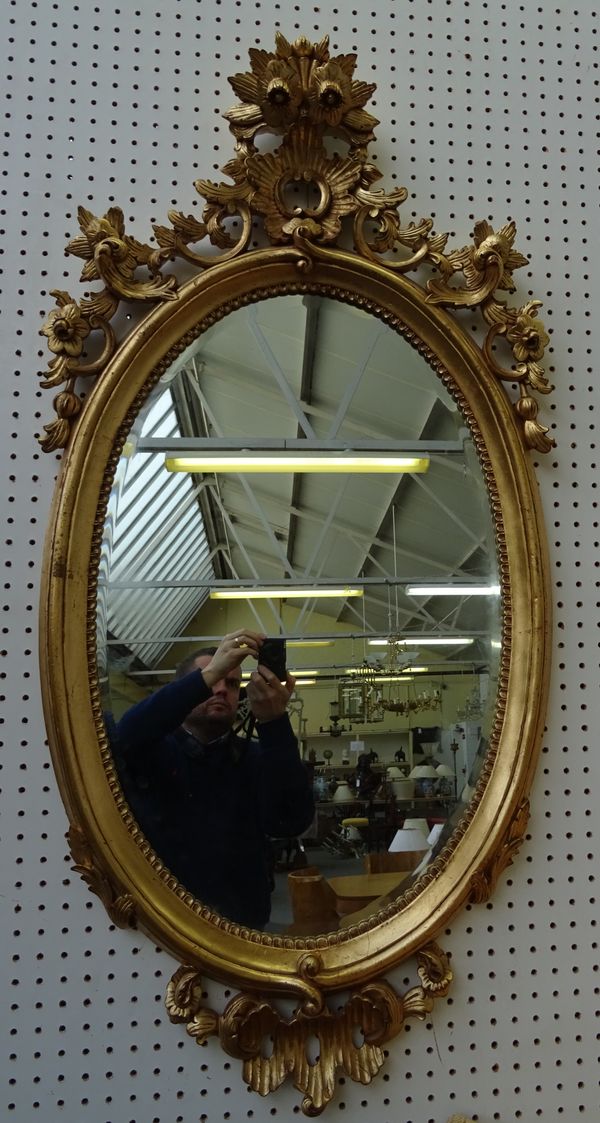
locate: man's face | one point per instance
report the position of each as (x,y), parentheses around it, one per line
(218,712)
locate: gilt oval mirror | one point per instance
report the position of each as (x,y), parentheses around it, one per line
(300,444)
(171,374)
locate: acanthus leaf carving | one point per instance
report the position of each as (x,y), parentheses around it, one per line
(118,904)
(484,881)
(111,256)
(301,80)
(487,266)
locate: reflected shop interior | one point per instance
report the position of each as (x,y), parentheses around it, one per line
(356,526)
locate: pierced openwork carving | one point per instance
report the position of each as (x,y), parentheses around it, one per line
(299,91)
(273,1048)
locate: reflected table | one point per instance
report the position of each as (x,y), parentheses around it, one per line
(355,891)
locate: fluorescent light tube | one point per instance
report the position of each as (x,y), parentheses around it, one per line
(309,642)
(283,593)
(422,641)
(453,590)
(373,678)
(252,462)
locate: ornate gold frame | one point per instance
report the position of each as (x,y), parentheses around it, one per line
(302,93)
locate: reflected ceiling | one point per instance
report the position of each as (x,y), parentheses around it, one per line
(328,375)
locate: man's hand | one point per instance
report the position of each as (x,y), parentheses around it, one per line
(268,697)
(231,653)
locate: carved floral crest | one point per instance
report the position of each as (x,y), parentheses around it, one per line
(302,93)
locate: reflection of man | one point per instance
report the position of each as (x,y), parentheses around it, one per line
(206,799)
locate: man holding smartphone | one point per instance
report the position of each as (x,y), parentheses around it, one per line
(206,799)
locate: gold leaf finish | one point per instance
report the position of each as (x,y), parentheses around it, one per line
(301,81)
(66,328)
(487,265)
(484,882)
(299,188)
(304,203)
(118,904)
(272,1047)
(184,993)
(113,257)
(434,970)
(351,958)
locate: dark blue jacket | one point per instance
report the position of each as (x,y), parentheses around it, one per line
(208,810)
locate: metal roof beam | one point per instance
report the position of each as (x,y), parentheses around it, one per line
(278,373)
(183,446)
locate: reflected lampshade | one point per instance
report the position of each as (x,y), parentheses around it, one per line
(434,834)
(415,824)
(408,840)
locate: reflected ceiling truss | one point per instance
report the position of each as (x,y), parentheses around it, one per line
(280,529)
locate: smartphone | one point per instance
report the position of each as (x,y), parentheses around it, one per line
(272,655)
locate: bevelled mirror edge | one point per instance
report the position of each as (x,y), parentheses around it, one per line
(101,843)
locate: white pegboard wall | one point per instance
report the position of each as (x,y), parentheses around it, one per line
(488,111)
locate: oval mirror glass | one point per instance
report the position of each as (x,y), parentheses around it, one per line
(372,554)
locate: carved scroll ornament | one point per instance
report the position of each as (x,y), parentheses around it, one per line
(273,1047)
(300,91)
